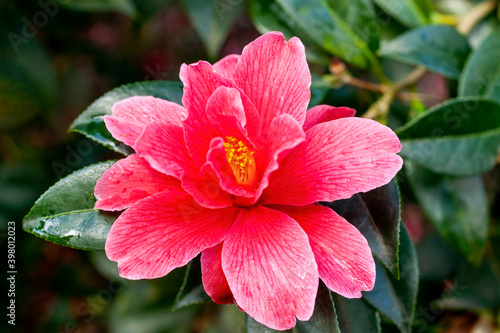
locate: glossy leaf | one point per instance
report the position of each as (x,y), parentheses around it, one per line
(460,137)
(412,13)
(91,121)
(322,22)
(355,315)
(481,76)
(457,207)
(212,20)
(439,48)
(396,298)
(123,6)
(377,215)
(64,214)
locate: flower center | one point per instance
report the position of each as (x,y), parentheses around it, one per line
(241,161)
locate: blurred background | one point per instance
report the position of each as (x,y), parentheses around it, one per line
(57,57)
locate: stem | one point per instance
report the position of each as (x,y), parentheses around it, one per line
(380,108)
(340,75)
(477,13)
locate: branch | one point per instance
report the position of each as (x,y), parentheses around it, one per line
(468,21)
(380,108)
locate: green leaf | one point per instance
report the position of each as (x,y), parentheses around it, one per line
(481,76)
(65,213)
(412,13)
(377,216)
(123,6)
(269,16)
(457,207)
(396,298)
(323,320)
(191,291)
(212,20)
(321,21)
(460,137)
(439,48)
(91,121)
(355,315)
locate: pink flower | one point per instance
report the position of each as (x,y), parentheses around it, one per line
(236,174)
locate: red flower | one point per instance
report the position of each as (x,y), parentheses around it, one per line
(236,175)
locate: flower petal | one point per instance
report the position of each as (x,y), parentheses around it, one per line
(163,146)
(213,278)
(270,267)
(128,181)
(338,159)
(285,133)
(226,65)
(163,232)
(200,82)
(323,113)
(345,261)
(131,115)
(274,74)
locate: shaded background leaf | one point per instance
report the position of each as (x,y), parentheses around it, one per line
(460,137)
(412,13)
(439,48)
(212,20)
(396,298)
(481,75)
(457,207)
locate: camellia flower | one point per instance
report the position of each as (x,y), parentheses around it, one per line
(236,174)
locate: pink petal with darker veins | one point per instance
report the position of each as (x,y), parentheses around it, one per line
(131,115)
(163,232)
(226,65)
(345,261)
(128,181)
(163,146)
(338,159)
(200,82)
(285,133)
(213,278)
(270,267)
(323,113)
(274,74)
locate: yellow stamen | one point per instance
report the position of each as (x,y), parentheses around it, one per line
(241,161)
